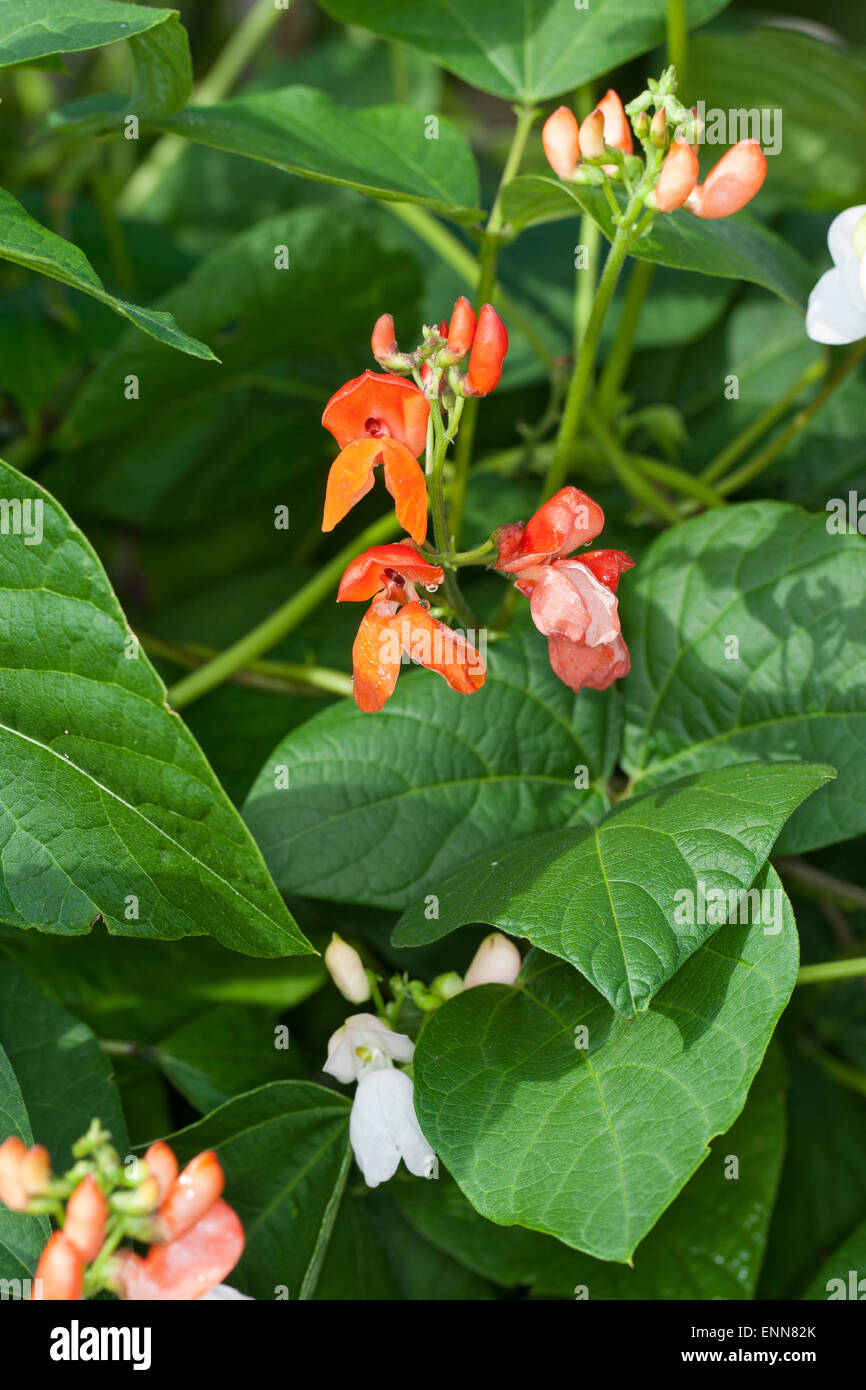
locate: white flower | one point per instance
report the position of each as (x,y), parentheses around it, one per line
(223,1293)
(383,1128)
(365,1044)
(347,970)
(496,962)
(837,304)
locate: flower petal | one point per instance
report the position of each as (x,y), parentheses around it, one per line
(832,316)
(185,1268)
(350,479)
(581,666)
(567,520)
(397,405)
(557,607)
(599,601)
(383,1128)
(607,565)
(367,1032)
(617,131)
(731,183)
(366,575)
(437,647)
(376,657)
(404,479)
(840,242)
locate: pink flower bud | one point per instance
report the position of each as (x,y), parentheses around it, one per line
(561,140)
(731,183)
(347,970)
(496,962)
(13,1193)
(59,1273)
(659,129)
(678,177)
(592,135)
(86,1215)
(384,339)
(617,131)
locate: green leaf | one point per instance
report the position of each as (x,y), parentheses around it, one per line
(27,243)
(380,806)
(627,901)
(163,84)
(527,52)
(848,1260)
(591,1145)
(386,151)
(222,1052)
(708,1244)
(108,805)
(65,1077)
(737,248)
(21,1237)
(285,1152)
(792,595)
(38,28)
(823,1190)
(807,89)
(147,989)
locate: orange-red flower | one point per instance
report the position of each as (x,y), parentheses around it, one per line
(572,601)
(606,127)
(378,418)
(397,622)
(489,346)
(187,1267)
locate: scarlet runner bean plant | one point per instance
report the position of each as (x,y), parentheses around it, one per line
(357,358)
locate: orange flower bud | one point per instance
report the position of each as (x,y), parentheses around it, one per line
(617,131)
(592,135)
(488,352)
(36,1171)
(162,1165)
(560,137)
(195,1190)
(461,329)
(13,1193)
(59,1273)
(384,339)
(731,183)
(86,1215)
(678,177)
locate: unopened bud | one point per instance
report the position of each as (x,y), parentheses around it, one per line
(496,962)
(561,140)
(347,970)
(659,129)
(140,1200)
(460,331)
(446,986)
(592,135)
(86,1215)
(36,1171)
(488,352)
(641,124)
(13,1193)
(60,1271)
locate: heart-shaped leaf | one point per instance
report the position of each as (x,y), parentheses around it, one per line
(708,1244)
(627,901)
(552,1112)
(388,151)
(749,629)
(737,248)
(24,241)
(108,805)
(285,1152)
(526,52)
(355,825)
(33,29)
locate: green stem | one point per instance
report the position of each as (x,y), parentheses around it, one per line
(822,885)
(620,355)
(832,970)
(487,260)
(678,479)
(766,456)
(453,252)
(249,34)
(846,1075)
(277,625)
(743,441)
(283,676)
(623,466)
(582,375)
(453,593)
(678,38)
(584,294)
(326,1229)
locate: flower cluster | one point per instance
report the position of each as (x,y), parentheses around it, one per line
(572,600)
(601,148)
(195,1238)
(383,1126)
(386,419)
